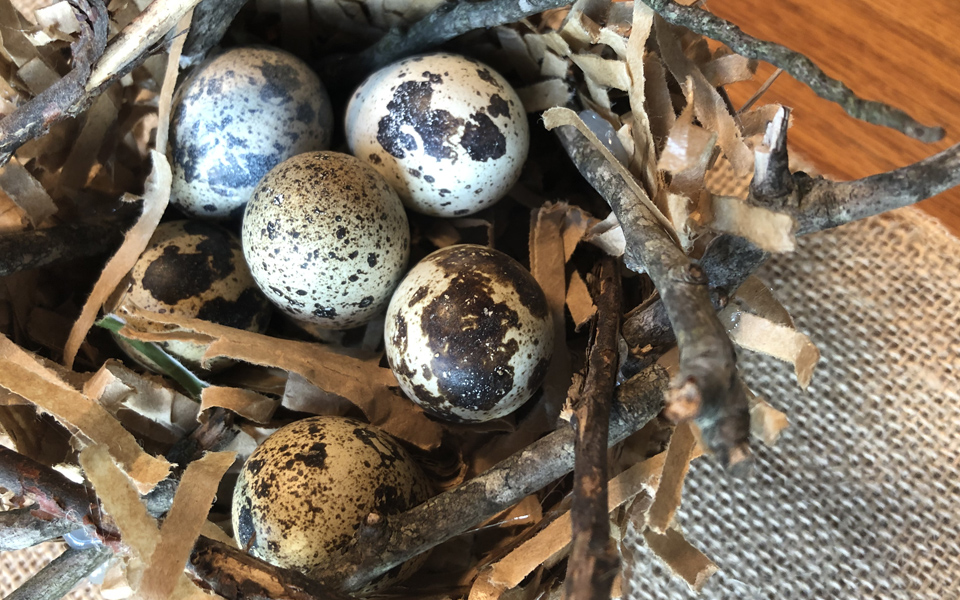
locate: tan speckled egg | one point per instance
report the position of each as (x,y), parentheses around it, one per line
(194,269)
(237,116)
(468,334)
(327,239)
(304,492)
(448,132)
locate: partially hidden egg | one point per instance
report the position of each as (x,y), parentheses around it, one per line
(468,334)
(235,118)
(448,132)
(327,239)
(194,269)
(304,493)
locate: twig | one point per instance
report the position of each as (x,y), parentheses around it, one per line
(385,542)
(799,66)
(593,558)
(25,250)
(66,97)
(236,575)
(707,386)
(211,19)
(449,20)
(760,91)
(56,579)
(22,528)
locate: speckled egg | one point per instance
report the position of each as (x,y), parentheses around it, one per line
(304,492)
(235,118)
(448,132)
(194,269)
(327,239)
(468,334)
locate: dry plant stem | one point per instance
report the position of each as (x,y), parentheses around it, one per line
(21,528)
(449,20)
(799,66)
(707,384)
(385,542)
(235,575)
(66,97)
(211,19)
(55,580)
(593,558)
(25,250)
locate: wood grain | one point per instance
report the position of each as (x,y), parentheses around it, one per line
(902,53)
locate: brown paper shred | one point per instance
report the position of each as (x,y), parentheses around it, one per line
(101,115)
(558,116)
(550,543)
(579,301)
(608,73)
(615,40)
(766,422)
(658,102)
(682,449)
(183,523)
(363,383)
(580,30)
(142,404)
(302,396)
(754,122)
(170,73)
(548,267)
(769,230)
(729,68)
(678,209)
(37,75)
(683,559)
(709,107)
(21,187)
(144,31)
(607,235)
(521,56)
(73,408)
(213,531)
(645,154)
(555,42)
(245,403)
(755,294)
(12,217)
(58,20)
(155,198)
(14,44)
(784,343)
(576,221)
(544,94)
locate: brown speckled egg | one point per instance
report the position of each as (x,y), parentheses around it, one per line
(448,132)
(304,492)
(326,239)
(468,334)
(194,269)
(236,117)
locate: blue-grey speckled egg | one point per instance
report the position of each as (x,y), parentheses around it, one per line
(448,132)
(194,269)
(327,239)
(235,118)
(469,334)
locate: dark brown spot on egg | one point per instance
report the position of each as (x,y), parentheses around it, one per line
(498,107)
(410,106)
(482,139)
(487,76)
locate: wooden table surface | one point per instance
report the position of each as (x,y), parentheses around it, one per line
(903,53)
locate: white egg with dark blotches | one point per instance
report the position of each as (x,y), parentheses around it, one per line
(468,334)
(236,117)
(303,494)
(194,269)
(327,239)
(448,132)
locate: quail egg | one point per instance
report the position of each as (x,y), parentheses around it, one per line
(448,132)
(305,491)
(469,334)
(327,239)
(236,117)
(194,269)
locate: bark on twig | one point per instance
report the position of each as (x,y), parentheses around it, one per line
(449,20)
(236,575)
(25,250)
(707,387)
(211,19)
(390,541)
(593,558)
(22,528)
(66,97)
(799,66)
(56,579)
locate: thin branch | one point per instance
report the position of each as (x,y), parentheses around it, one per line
(385,542)
(707,386)
(25,250)
(799,66)
(25,527)
(236,575)
(66,97)
(211,19)
(449,20)
(593,558)
(55,580)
